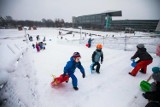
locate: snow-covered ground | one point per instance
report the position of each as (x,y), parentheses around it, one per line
(28,73)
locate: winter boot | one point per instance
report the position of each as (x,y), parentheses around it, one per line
(131,74)
(98,72)
(75,88)
(142,71)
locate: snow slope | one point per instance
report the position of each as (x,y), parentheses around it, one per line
(113,87)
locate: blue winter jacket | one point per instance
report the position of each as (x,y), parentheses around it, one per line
(71,66)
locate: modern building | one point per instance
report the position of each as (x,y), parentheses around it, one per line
(94,21)
(103,21)
(137,25)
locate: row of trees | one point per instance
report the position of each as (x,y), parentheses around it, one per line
(9,22)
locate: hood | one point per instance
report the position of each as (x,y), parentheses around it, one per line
(99,50)
(142,49)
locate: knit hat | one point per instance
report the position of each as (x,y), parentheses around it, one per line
(156,69)
(156,73)
(76,54)
(140,45)
(99,46)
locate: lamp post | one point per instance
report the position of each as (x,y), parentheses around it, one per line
(25,28)
(80,27)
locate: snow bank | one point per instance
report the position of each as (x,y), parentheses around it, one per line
(17,83)
(3,78)
(10,54)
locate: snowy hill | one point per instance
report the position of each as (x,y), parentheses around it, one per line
(28,80)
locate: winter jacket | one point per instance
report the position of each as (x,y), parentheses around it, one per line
(71,66)
(156,76)
(97,54)
(154,95)
(89,41)
(142,54)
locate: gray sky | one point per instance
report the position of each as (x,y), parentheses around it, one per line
(52,9)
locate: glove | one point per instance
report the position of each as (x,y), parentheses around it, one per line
(83,75)
(144,95)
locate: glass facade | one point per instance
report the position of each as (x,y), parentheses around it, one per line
(137,25)
(101,21)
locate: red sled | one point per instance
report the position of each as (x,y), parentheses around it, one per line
(58,80)
(87,45)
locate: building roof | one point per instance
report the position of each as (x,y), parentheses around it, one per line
(113,13)
(110,13)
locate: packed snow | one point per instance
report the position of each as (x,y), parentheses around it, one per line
(25,74)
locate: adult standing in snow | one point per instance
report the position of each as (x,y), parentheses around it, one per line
(144,60)
(70,67)
(37,37)
(96,56)
(158,52)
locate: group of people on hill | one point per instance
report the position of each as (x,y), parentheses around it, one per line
(141,65)
(74,63)
(39,45)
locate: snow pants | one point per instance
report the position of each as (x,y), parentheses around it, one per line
(89,45)
(98,66)
(141,65)
(74,80)
(153,104)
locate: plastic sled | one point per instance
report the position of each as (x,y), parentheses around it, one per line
(87,45)
(145,86)
(133,64)
(58,80)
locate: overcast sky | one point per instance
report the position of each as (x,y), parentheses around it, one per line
(65,9)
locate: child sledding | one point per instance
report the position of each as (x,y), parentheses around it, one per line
(69,70)
(144,60)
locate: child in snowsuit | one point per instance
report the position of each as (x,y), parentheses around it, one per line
(37,47)
(96,56)
(89,42)
(144,59)
(154,95)
(70,67)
